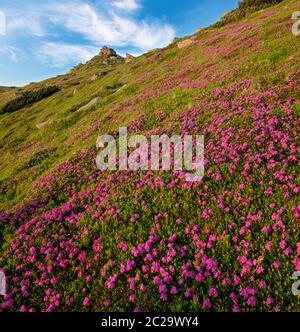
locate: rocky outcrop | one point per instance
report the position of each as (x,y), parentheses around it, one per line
(98,75)
(44,124)
(129,58)
(107,52)
(108,55)
(91,103)
(185,43)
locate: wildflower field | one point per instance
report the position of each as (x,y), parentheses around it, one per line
(73,238)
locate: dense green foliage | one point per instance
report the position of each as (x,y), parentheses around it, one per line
(28,98)
(246,8)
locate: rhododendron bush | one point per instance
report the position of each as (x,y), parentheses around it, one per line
(150,241)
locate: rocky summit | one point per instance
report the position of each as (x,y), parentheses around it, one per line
(107,52)
(109,55)
(129,58)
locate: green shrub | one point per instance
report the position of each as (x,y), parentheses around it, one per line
(28,98)
(245,8)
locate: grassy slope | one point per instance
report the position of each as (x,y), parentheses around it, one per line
(261,49)
(5,88)
(259,52)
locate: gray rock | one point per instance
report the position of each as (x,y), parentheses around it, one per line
(129,58)
(107,52)
(91,103)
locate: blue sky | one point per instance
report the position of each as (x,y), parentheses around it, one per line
(47,38)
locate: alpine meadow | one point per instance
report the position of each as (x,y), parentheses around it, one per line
(77,238)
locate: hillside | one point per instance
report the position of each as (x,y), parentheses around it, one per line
(5,88)
(76,239)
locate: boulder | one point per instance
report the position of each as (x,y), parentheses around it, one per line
(98,75)
(107,52)
(44,124)
(88,105)
(108,56)
(129,58)
(185,43)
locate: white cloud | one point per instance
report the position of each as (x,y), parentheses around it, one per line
(10,52)
(111,28)
(30,23)
(129,5)
(107,22)
(62,54)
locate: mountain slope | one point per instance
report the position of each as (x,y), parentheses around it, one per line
(80,239)
(5,88)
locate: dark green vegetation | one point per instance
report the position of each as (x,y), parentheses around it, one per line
(28,98)
(245,8)
(5,88)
